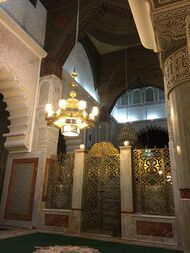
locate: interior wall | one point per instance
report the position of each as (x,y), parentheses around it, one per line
(31,18)
(83,68)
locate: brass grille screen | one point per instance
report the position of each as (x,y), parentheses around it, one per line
(60,182)
(102,190)
(152,182)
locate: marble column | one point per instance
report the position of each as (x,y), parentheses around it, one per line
(78,177)
(45,139)
(126,192)
(177,78)
(173,164)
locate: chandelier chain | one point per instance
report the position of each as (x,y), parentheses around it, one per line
(77,34)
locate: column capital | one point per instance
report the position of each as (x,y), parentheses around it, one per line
(125,147)
(81,151)
(177,69)
(170,26)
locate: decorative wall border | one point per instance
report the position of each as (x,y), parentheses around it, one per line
(57,220)
(45,183)
(158,229)
(185,193)
(28,216)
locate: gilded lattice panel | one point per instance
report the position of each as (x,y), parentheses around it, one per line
(152,182)
(20,199)
(101,200)
(60,182)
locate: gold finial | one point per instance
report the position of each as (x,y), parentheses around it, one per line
(73,84)
(74,74)
(73,94)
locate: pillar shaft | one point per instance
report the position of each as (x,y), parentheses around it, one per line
(177,78)
(126,191)
(78,177)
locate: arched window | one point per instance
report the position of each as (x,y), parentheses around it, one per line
(161,95)
(149,95)
(137,98)
(124,99)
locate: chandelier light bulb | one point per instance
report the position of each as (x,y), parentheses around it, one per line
(49,110)
(79,121)
(82,105)
(48,107)
(91,116)
(62,103)
(95,110)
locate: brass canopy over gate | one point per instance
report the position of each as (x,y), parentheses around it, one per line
(102,190)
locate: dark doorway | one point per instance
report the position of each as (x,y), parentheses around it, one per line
(61,146)
(4,123)
(152,138)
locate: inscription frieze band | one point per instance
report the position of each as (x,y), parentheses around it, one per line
(177,69)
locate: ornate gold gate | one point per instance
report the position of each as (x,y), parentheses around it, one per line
(102,190)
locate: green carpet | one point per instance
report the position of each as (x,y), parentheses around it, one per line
(27,243)
(2,229)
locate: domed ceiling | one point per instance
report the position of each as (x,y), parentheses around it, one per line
(114,33)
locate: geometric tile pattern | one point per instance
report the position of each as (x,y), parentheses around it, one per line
(21,189)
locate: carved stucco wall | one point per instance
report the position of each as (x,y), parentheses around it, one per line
(21,58)
(188,33)
(46,137)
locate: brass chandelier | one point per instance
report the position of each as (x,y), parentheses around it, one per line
(71,115)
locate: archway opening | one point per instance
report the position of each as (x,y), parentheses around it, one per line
(153,138)
(140,104)
(143,108)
